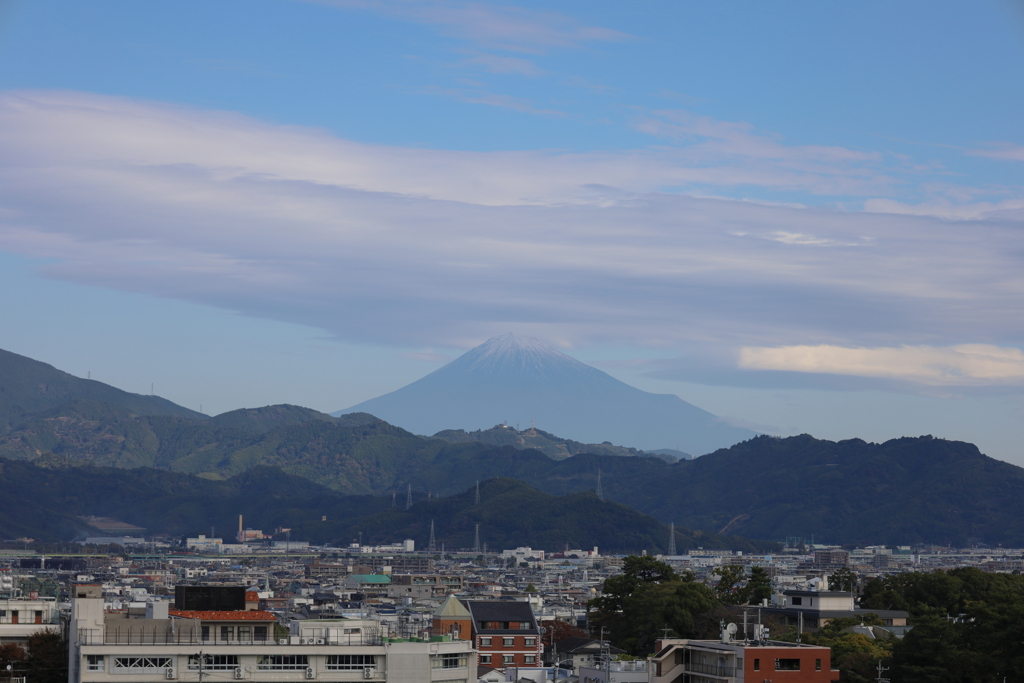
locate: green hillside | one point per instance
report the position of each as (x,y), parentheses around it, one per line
(550,445)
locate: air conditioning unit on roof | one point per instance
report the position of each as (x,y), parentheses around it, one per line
(320,641)
(310,641)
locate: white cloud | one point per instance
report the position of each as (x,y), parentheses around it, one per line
(439,248)
(1001,150)
(492,25)
(962,365)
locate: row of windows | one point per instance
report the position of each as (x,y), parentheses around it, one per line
(229,633)
(142,662)
(448,661)
(787,665)
(508,642)
(508,659)
(264,663)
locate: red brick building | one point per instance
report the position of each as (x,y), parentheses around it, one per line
(504,632)
(697,661)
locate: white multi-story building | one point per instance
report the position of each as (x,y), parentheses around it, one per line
(209,646)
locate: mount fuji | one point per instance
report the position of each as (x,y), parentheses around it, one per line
(521,379)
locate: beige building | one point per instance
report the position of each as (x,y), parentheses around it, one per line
(164,647)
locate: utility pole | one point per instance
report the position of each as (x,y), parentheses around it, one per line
(881,670)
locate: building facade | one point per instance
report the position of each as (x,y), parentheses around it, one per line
(177,648)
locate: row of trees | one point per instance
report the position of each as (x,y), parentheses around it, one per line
(968,625)
(649,599)
(44,661)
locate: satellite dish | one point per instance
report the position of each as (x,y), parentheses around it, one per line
(731,629)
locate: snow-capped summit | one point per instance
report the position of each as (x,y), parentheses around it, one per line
(520,354)
(518,379)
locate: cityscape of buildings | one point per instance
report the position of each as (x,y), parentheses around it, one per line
(207,611)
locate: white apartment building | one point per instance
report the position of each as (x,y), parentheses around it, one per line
(109,648)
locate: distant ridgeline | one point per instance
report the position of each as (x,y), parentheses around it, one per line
(906,490)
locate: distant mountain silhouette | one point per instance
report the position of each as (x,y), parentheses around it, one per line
(29,387)
(520,379)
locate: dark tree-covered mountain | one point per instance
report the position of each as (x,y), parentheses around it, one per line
(517,379)
(48,503)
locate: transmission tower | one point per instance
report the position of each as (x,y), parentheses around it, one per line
(671,538)
(600,492)
(432,546)
(408,497)
(476,540)
(476,500)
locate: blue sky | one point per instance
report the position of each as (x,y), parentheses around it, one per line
(805,217)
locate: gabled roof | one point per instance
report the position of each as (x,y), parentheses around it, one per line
(501,611)
(453,609)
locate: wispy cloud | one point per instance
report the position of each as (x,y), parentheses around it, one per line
(482,96)
(441,248)
(491,25)
(962,365)
(1000,150)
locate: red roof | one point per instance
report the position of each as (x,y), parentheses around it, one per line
(223,615)
(252,596)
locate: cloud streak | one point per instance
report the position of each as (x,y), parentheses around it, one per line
(439,248)
(963,365)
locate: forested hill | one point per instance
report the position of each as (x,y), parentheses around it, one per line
(47,504)
(905,490)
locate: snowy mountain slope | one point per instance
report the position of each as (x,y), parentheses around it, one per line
(519,379)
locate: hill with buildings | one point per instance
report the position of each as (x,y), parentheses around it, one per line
(550,445)
(513,380)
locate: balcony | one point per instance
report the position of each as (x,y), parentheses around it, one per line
(711,670)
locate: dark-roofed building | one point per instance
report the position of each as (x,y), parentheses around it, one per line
(505,633)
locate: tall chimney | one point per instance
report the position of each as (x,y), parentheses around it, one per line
(241,535)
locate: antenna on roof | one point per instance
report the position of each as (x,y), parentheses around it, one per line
(671,538)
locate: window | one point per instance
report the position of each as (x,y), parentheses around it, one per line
(227,633)
(142,662)
(507,659)
(787,664)
(213,662)
(485,659)
(531,659)
(798,601)
(245,633)
(206,632)
(530,642)
(508,642)
(449,661)
(757,665)
(259,632)
(817,665)
(95,663)
(485,642)
(350,662)
(282,662)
